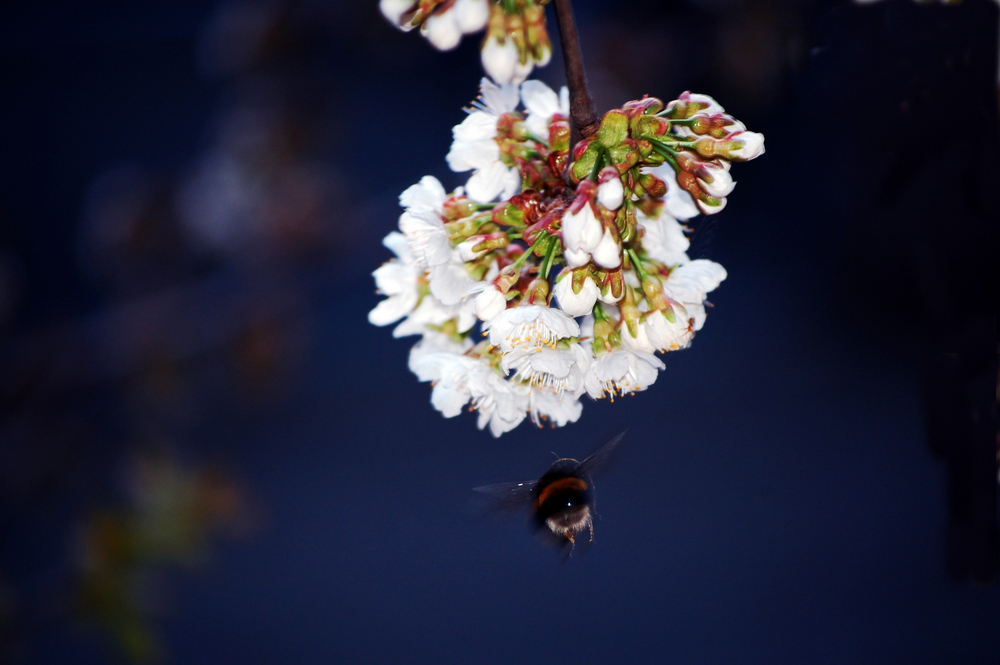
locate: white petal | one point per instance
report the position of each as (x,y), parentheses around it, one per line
(428,193)
(489,182)
(477,126)
(664,239)
(541,103)
(498,99)
(397,244)
(426,238)
(450,282)
(558,409)
(391,309)
(678,202)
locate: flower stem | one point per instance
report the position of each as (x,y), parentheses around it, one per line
(583,115)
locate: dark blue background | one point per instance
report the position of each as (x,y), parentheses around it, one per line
(775,500)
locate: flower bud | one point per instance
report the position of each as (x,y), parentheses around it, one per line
(610,193)
(499,60)
(630,312)
(687,104)
(652,185)
(471,15)
(613,129)
(490,303)
(441,31)
(608,253)
(612,285)
(650,127)
(477,245)
(537,292)
(507,278)
(576,291)
(581,230)
(719,126)
(715,180)
(396,11)
(744,146)
(458,207)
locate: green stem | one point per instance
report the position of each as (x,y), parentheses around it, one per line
(550,255)
(599,164)
(637,264)
(542,236)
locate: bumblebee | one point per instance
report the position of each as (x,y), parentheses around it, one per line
(562,500)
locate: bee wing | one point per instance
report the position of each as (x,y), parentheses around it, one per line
(600,458)
(506,496)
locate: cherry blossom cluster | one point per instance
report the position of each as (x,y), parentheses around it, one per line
(555,273)
(516,36)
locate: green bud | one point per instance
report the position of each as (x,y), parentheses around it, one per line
(614,128)
(651,127)
(508,215)
(584,165)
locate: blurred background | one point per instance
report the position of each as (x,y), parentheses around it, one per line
(207,454)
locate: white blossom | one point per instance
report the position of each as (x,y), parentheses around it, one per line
(530,327)
(474,146)
(690,285)
(541,103)
(422,223)
(397,279)
(623,371)
(502,404)
(555,370)
(559,409)
(664,238)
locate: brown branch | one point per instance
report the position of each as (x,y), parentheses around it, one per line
(583,116)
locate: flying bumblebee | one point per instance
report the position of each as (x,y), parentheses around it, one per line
(562,500)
